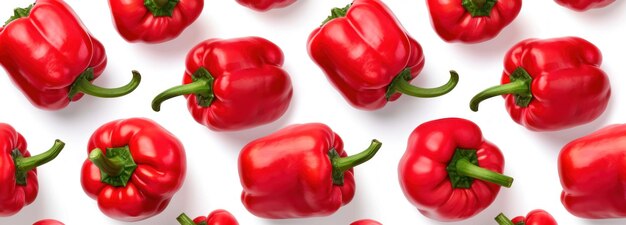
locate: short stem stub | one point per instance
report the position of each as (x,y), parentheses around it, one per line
(503,220)
(341,165)
(23,165)
(463,168)
(478,8)
(202,87)
(19,13)
(183,219)
(337,13)
(160,8)
(519,86)
(402,84)
(83,85)
(116,167)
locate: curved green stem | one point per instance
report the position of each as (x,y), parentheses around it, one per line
(202,87)
(402,84)
(23,165)
(83,85)
(19,13)
(113,166)
(503,220)
(519,85)
(183,219)
(341,165)
(465,168)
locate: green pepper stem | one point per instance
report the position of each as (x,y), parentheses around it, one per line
(479,3)
(515,87)
(113,166)
(337,13)
(201,87)
(160,3)
(83,85)
(405,87)
(503,220)
(19,13)
(466,168)
(26,164)
(342,165)
(183,219)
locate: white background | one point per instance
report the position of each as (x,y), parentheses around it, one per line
(212,180)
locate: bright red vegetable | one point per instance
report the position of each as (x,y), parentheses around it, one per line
(591,170)
(48,222)
(368,56)
(449,172)
(134,168)
(217,217)
(299,171)
(18,173)
(472,21)
(233,84)
(584,5)
(154,21)
(52,58)
(265,5)
(552,84)
(535,217)
(366,222)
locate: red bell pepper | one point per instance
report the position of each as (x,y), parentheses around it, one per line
(234,84)
(48,222)
(449,171)
(134,168)
(366,222)
(535,217)
(584,5)
(472,21)
(552,84)
(299,171)
(52,58)
(265,5)
(18,173)
(368,56)
(217,217)
(592,172)
(154,21)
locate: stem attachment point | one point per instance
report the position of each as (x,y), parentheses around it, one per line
(23,165)
(519,86)
(341,165)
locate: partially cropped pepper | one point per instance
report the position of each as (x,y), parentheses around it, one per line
(472,21)
(449,171)
(366,222)
(584,5)
(52,58)
(233,84)
(265,5)
(370,59)
(48,222)
(134,168)
(18,170)
(552,84)
(299,171)
(592,171)
(154,21)
(217,217)
(535,217)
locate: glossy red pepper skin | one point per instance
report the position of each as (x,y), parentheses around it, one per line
(234,84)
(299,171)
(365,53)
(18,173)
(430,173)
(154,21)
(366,222)
(51,56)
(591,169)
(48,222)
(217,217)
(466,21)
(151,166)
(535,217)
(559,81)
(265,5)
(584,5)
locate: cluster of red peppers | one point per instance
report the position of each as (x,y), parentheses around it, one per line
(449,171)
